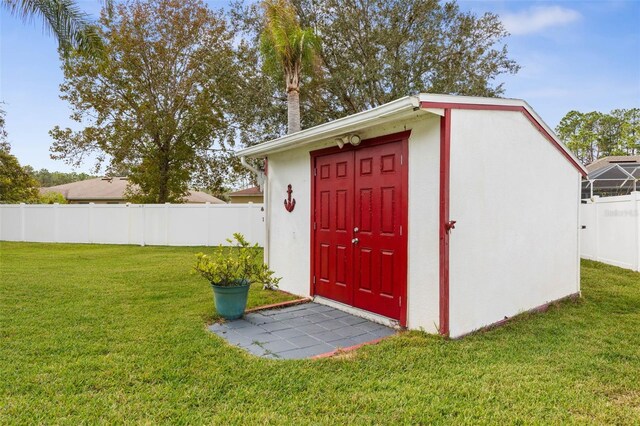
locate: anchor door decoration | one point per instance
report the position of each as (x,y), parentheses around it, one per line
(289,203)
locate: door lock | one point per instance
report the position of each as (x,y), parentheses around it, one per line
(355,230)
(355,241)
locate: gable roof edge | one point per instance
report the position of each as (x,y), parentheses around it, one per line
(409,105)
(501,104)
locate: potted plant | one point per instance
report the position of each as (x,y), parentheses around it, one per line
(231,270)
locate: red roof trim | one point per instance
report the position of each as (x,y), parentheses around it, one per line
(517,108)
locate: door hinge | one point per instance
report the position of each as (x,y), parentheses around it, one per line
(314,226)
(315,171)
(314,279)
(400,301)
(401,230)
(401,159)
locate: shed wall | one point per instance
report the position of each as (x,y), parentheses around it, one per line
(289,242)
(289,236)
(515,200)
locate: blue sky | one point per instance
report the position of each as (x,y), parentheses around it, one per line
(582,55)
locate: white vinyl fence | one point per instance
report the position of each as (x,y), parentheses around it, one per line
(141,224)
(612,233)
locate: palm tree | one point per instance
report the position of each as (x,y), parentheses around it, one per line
(287,47)
(69,24)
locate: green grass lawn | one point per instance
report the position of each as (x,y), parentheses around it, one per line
(113,334)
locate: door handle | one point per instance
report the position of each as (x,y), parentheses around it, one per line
(449,226)
(355,241)
(355,230)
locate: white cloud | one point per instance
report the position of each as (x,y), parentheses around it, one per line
(538,18)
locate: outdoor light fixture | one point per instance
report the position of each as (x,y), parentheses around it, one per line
(352,139)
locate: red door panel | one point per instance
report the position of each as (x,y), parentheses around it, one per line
(333,226)
(378,181)
(359,246)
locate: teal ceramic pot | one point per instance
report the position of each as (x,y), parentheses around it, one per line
(231,301)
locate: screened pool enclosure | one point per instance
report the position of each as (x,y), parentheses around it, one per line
(620,178)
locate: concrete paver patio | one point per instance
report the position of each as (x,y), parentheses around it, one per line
(300,331)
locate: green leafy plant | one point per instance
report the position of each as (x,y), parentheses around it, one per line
(235,265)
(51,198)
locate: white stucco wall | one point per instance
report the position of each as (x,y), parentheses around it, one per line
(289,236)
(423,292)
(515,199)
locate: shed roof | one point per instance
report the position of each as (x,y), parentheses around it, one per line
(403,108)
(113,189)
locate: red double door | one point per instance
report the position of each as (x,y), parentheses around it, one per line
(359,231)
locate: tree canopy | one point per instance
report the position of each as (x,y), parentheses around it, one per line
(153,103)
(594,134)
(179,85)
(286,48)
(16,184)
(52,198)
(46,178)
(376,51)
(373,51)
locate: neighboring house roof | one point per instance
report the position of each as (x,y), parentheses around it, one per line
(404,108)
(254,191)
(112,189)
(614,159)
(202,197)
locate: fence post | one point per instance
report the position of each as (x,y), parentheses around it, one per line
(144,225)
(635,199)
(208,215)
(90,222)
(128,207)
(596,227)
(166,224)
(22,225)
(250,222)
(56,223)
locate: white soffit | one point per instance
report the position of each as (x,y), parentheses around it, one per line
(392,111)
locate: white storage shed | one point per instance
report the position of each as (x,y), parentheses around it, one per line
(435,212)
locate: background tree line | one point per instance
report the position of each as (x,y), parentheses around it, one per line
(169,89)
(19,184)
(16,184)
(180,87)
(45,178)
(166,91)
(593,135)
